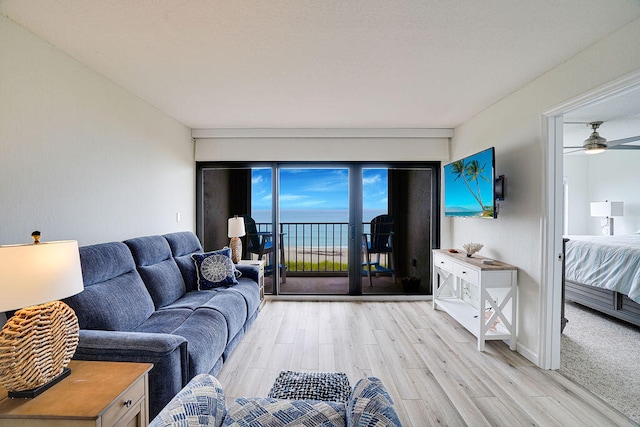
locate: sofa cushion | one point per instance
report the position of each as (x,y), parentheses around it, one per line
(192,300)
(249,291)
(206,334)
(266,412)
(215,269)
(232,306)
(370,405)
(200,403)
(165,321)
(157,268)
(183,244)
(114,297)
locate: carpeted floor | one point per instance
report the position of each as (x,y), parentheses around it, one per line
(603,355)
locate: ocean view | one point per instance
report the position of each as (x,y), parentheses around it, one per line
(310,230)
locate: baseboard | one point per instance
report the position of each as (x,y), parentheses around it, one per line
(528,354)
(347,298)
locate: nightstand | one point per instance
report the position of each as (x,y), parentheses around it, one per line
(260,265)
(95,394)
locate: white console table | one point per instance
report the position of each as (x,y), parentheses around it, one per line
(481,297)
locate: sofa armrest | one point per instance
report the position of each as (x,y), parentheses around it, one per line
(167,352)
(123,344)
(250,271)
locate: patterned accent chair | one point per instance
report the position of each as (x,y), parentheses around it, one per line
(201,403)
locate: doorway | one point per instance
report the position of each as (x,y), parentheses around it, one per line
(551,304)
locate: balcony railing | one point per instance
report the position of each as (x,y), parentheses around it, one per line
(311,248)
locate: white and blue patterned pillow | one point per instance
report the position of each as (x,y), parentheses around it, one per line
(200,403)
(371,405)
(267,412)
(215,269)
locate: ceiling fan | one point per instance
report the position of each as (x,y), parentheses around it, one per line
(596,144)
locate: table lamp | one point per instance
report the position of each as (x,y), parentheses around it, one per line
(236,230)
(606,210)
(37,343)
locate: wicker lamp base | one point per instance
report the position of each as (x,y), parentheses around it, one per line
(36,345)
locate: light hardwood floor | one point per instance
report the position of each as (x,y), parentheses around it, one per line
(429,364)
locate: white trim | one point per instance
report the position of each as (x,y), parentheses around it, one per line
(528,354)
(617,87)
(322,149)
(322,133)
(550,288)
(351,298)
(551,292)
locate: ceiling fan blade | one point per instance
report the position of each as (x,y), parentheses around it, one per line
(617,143)
(573,150)
(624,147)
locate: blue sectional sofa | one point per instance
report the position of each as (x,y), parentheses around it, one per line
(141,303)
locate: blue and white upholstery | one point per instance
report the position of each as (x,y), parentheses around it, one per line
(201,403)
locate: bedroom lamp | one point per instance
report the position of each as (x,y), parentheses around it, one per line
(606,210)
(236,230)
(37,343)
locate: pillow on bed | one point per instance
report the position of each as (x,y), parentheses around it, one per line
(215,269)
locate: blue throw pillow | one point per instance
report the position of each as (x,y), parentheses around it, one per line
(215,269)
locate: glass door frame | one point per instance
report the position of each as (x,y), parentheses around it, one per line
(355,204)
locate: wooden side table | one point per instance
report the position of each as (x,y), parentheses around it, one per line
(95,394)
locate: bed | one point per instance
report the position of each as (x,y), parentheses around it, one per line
(603,273)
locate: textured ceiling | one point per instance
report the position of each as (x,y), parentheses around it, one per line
(318,64)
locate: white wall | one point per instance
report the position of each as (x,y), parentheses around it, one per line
(576,174)
(514,126)
(612,175)
(81,158)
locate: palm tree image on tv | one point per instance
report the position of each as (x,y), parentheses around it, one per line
(466,181)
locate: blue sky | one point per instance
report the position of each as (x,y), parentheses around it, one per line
(318,188)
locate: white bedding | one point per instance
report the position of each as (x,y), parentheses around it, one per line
(610,262)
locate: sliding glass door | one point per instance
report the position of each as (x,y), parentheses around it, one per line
(330,228)
(313,207)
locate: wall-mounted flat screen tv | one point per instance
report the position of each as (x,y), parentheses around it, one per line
(469,186)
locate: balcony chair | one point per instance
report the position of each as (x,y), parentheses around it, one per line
(259,243)
(379,241)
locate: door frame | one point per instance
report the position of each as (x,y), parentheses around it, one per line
(552,256)
(355,215)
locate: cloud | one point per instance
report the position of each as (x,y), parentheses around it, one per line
(371,180)
(256,179)
(291,197)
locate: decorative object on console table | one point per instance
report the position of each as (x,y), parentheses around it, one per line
(606,210)
(471,248)
(37,343)
(236,230)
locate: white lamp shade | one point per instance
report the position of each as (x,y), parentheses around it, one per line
(38,273)
(607,209)
(236,227)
